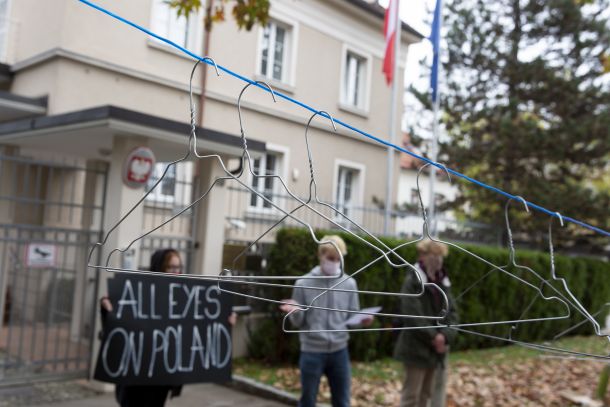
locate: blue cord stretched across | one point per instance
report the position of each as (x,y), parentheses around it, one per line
(346,125)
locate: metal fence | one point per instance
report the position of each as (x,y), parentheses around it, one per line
(246,222)
(48,310)
(50,216)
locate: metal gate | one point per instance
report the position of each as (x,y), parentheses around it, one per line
(175,192)
(50,215)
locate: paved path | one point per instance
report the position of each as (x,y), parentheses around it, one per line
(208,395)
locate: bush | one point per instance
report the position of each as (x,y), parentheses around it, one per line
(498,297)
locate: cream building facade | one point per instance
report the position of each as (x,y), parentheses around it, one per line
(80,91)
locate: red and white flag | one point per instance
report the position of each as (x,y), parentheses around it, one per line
(390,30)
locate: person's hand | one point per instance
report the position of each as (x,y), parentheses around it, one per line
(439,343)
(288,306)
(106,304)
(233,319)
(368,321)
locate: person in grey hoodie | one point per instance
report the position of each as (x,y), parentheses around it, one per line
(324,353)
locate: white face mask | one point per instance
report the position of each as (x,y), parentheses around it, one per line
(330,268)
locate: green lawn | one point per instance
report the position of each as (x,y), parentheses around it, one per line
(590,344)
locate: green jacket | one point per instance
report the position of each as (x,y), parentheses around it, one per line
(414,346)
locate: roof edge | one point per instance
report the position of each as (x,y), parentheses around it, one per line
(378,11)
(107,112)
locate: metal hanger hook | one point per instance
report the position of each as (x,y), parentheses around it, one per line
(211,60)
(322,113)
(551,248)
(519,197)
(509,230)
(419,196)
(560,218)
(260,84)
(193,135)
(204,59)
(575,302)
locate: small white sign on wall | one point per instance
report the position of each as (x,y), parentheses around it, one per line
(41,255)
(128,260)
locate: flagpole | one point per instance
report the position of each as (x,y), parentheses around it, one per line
(432,178)
(393,124)
(432,223)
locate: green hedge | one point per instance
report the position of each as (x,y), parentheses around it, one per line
(498,297)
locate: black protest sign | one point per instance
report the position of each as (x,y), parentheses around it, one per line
(165,331)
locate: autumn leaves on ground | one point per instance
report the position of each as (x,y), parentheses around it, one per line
(508,376)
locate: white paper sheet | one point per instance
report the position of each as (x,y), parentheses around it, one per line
(357,319)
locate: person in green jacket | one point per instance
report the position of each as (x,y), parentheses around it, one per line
(424,351)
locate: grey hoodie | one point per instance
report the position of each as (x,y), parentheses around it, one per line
(320,319)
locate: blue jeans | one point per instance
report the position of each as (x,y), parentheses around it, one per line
(335,366)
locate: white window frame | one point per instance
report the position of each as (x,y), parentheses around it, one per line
(282,154)
(364,106)
(357,192)
(194,26)
(6,30)
(329,20)
(290,52)
(183,189)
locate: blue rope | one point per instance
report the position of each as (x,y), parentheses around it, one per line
(346,125)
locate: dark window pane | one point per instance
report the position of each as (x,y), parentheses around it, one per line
(270,164)
(168,185)
(265,50)
(278,58)
(256,165)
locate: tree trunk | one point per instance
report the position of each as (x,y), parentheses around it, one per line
(206,49)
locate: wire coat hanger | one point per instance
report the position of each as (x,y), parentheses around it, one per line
(305,204)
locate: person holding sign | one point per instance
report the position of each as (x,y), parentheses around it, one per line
(324,352)
(155,395)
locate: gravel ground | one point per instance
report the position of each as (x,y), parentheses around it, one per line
(45,393)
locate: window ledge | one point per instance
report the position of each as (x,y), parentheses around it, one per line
(166,48)
(152,200)
(263,214)
(275,84)
(353,110)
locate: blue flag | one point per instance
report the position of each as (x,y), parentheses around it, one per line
(435,39)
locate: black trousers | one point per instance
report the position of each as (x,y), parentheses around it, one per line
(142,396)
